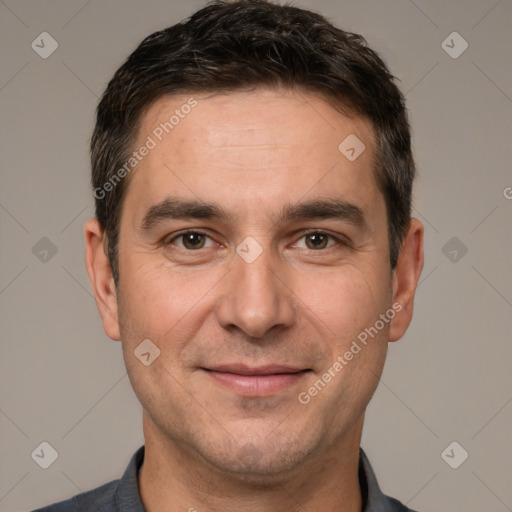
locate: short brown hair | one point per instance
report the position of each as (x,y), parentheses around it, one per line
(239,45)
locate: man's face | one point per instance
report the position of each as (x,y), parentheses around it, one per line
(256,302)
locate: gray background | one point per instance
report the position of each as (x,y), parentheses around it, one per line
(62,381)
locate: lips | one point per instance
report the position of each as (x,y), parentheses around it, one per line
(257,381)
(240,369)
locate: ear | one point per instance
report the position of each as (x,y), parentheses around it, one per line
(102,280)
(405,278)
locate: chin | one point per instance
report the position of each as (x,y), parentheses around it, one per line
(260,462)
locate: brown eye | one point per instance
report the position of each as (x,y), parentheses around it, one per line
(191,240)
(316,241)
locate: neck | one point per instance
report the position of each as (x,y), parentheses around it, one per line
(174,478)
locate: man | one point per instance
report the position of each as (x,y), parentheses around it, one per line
(254,252)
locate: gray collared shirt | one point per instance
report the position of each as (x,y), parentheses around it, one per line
(123,495)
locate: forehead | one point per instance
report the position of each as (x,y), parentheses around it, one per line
(242,146)
(277,116)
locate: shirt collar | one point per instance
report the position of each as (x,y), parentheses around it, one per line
(127,496)
(374,500)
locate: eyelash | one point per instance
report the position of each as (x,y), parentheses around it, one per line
(338,240)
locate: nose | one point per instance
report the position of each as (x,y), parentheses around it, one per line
(255,298)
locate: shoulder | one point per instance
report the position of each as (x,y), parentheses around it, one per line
(101,498)
(117,496)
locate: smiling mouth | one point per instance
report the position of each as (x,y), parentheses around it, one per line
(256,381)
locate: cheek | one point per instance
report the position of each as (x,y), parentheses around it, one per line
(346,300)
(163,303)
(351,302)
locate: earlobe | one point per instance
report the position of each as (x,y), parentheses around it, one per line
(100,275)
(405,278)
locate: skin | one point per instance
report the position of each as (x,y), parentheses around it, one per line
(208,446)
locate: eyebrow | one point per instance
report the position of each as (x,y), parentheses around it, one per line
(329,208)
(174,208)
(177,208)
